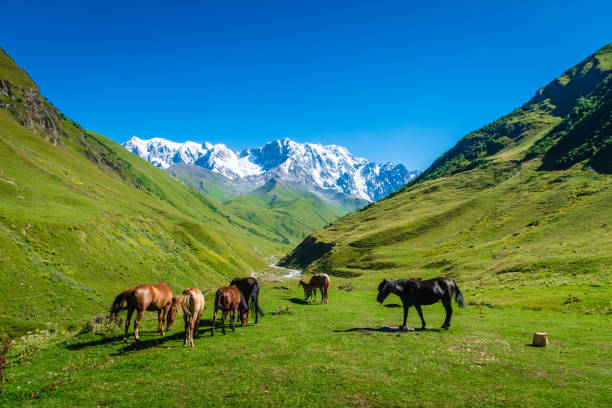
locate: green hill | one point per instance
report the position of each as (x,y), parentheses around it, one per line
(519,211)
(81,218)
(288,212)
(212,184)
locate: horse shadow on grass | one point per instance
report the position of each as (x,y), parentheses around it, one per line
(93,343)
(385,329)
(298,301)
(131,346)
(392,305)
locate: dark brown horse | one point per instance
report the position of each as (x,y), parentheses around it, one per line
(415,292)
(229,299)
(317,281)
(250,291)
(144,297)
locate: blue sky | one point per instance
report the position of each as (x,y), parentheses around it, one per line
(390,80)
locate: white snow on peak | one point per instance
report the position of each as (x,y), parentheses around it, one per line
(313,165)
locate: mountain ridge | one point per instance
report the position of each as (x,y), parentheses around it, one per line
(327,167)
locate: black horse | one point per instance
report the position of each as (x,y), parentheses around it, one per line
(250,290)
(415,292)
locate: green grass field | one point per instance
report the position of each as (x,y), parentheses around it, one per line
(329,355)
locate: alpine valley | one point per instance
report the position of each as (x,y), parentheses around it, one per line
(518,214)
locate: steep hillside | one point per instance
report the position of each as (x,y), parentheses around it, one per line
(288,212)
(519,212)
(210,183)
(82,218)
(580,88)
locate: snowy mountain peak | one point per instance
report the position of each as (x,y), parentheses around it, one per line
(312,165)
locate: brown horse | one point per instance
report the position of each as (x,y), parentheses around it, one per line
(317,281)
(229,299)
(144,297)
(191,304)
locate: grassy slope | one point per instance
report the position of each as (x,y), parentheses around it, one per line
(318,357)
(81,219)
(287,212)
(212,184)
(509,231)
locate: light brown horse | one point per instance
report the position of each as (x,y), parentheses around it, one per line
(229,299)
(144,297)
(317,281)
(191,304)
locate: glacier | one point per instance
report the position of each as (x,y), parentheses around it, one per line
(312,165)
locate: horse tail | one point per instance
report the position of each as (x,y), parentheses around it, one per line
(118,303)
(255,300)
(459,296)
(218,304)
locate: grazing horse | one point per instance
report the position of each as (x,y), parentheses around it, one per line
(317,281)
(144,297)
(415,292)
(250,291)
(191,304)
(308,291)
(229,299)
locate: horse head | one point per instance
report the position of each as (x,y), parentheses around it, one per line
(383,291)
(307,289)
(172,313)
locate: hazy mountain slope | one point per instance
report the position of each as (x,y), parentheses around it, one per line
(81,218)
(212,184)
(497,219)
(288,212)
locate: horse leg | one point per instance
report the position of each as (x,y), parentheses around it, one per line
(197,326)
(212,329)
(160,327)
(418,308)
(186,320)
(194,321)
(256,303)
(406,307)
(233,318)
(449,313)
(223,316)
(136,323)
(127,323)
(165,319)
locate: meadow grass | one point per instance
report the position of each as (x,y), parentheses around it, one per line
(330,355)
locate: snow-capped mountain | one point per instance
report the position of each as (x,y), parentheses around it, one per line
(311,165)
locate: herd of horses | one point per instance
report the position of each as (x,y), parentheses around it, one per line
(242,296)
